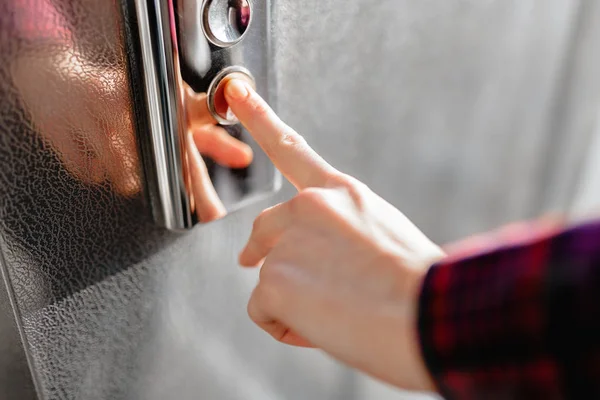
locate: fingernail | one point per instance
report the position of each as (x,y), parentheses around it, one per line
(236,89)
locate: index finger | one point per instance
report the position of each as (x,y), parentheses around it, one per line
(290,153)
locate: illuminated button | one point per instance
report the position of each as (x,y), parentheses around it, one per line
(217,105)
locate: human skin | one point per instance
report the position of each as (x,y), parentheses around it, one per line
(341,268)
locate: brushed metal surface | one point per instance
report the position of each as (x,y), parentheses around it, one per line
(441,106)
(225,22)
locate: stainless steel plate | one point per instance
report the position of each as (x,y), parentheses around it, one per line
(199,165)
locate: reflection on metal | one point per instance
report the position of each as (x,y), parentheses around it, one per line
(80,108)
(226,21)
(217,104)
(200,163)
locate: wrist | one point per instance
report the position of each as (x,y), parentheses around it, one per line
(423,380)
(405,365)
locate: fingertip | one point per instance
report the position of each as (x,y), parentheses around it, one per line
(240,159)
(293,339)
(242,258)
(237,90)
(247,153)
(245,260)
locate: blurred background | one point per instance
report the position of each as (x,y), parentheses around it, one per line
(464,114)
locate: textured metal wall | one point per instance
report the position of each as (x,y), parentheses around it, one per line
(462,113)
(15,378)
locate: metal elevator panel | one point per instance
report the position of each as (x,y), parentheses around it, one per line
(199,163)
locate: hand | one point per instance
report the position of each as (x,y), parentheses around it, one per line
(212,141)
(83,112)
(342,267)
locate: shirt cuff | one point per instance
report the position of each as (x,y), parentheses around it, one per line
(481,314)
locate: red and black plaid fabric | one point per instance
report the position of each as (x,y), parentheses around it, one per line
(519,320)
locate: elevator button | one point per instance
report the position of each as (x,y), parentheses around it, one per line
(226,21)
(217,105)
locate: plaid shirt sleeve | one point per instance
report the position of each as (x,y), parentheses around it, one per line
(516,320)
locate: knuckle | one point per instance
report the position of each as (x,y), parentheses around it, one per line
(254,305)
(268,277)
(294,206)
(259,222)
(287,139)
(352,186)
(290,138)
(263,275)
(268,293)
(258,107)
(344,181)
(312,199)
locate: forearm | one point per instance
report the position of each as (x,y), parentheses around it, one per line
(518,321)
